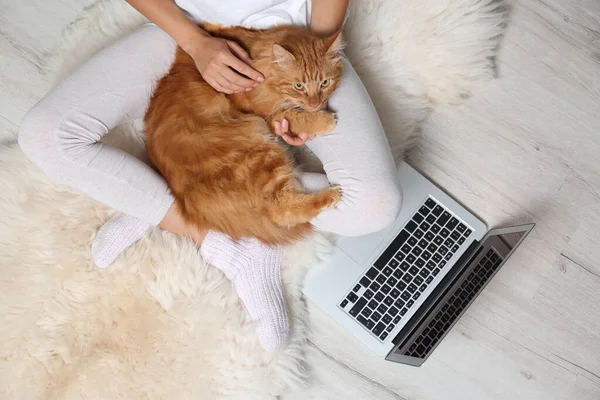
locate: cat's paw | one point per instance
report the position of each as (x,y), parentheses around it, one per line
(334,194)
(326,122)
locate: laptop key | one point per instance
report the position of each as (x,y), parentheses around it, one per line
(413,270)
(365,281)
(388,301)
(372,273)
(375,316)
(424,273)
(378,328)
(412,241)
(382,308)
(429,280)
(438,210)
(430,202)
(397,319)
(407,278)
(366,312)
(418,233)
(416,251)
(444,232)
(443,218)
(374,286)
(379,296)
(418,280)
(424,210)
(426,255)
(370,324)
(430,218)
(405,296)
(429,236)
(411,288)
(430,265)
(392,281)
(416,295)
(352,297)
(386,289)
(422,288)
(368,294)
(437,257)
(344,303)
(411,226)
(362,320)
(393,311)
(399,303)
(398,274)
(443,250)
(358,306)
(461,228)
(418,218)
(373,304)
(449,242)
(356,288)
(461,240)
(448,256)
(389,328)
(438,240)
(420,262)
(452,223)
(383,335)
(381,278)
(410,303)
(401,285)
(387,271)
(387,319)
(455,235)
(435,228)
(410,259)
(399,256)
(425,226)
(423,243)
(435,271)
(406,249)
(393,263)
(467,232)
(455,248)
(403,311)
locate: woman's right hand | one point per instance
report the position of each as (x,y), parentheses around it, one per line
(224,64)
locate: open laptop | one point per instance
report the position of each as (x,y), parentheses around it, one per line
(400,290)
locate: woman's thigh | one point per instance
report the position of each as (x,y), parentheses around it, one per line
(61,133)
(356,156)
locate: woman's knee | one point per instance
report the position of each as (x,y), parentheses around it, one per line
(376,208)
(35,134)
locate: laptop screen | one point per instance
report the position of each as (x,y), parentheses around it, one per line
(454,295)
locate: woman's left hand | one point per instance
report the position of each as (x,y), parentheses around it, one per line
(293,139)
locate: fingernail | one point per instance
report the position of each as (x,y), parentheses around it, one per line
(255,85)
(237,91)
(248,89)
(260,79)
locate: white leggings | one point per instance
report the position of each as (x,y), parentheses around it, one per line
(61,136)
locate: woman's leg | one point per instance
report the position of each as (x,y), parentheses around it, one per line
(355,156)
(61,136)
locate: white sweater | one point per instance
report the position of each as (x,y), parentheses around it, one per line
(249,13)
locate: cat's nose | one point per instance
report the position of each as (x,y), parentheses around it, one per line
(314,105)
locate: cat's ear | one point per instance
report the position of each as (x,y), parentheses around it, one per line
(334,43)
(281,56)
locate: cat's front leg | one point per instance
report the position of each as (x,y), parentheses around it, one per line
(312,123)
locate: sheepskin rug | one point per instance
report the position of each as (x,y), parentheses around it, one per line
(160,323)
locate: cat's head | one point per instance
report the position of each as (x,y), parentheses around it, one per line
(306,70)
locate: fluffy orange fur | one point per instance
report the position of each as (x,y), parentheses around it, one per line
(225,167)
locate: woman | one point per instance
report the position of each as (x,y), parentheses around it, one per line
(61,136)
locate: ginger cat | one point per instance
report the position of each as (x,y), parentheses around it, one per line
(225,167)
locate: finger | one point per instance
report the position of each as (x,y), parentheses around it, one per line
(225,84)
(236,79)
(303,136)
(311,137)
(285,126)
(239,52)
(292,140)
(243,68)
(277,126)
(228,83)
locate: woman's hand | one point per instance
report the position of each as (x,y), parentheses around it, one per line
(223,64)
(283,129)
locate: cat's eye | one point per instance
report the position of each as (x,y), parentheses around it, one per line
(298,86)
(325,83)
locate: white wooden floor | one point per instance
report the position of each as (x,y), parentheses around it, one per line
(525,148)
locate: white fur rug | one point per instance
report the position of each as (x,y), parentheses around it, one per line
(161,323)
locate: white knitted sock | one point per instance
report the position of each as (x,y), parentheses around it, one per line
(255,270)
(115,236)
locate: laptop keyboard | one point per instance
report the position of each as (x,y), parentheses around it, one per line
(390,288)
(456,303)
